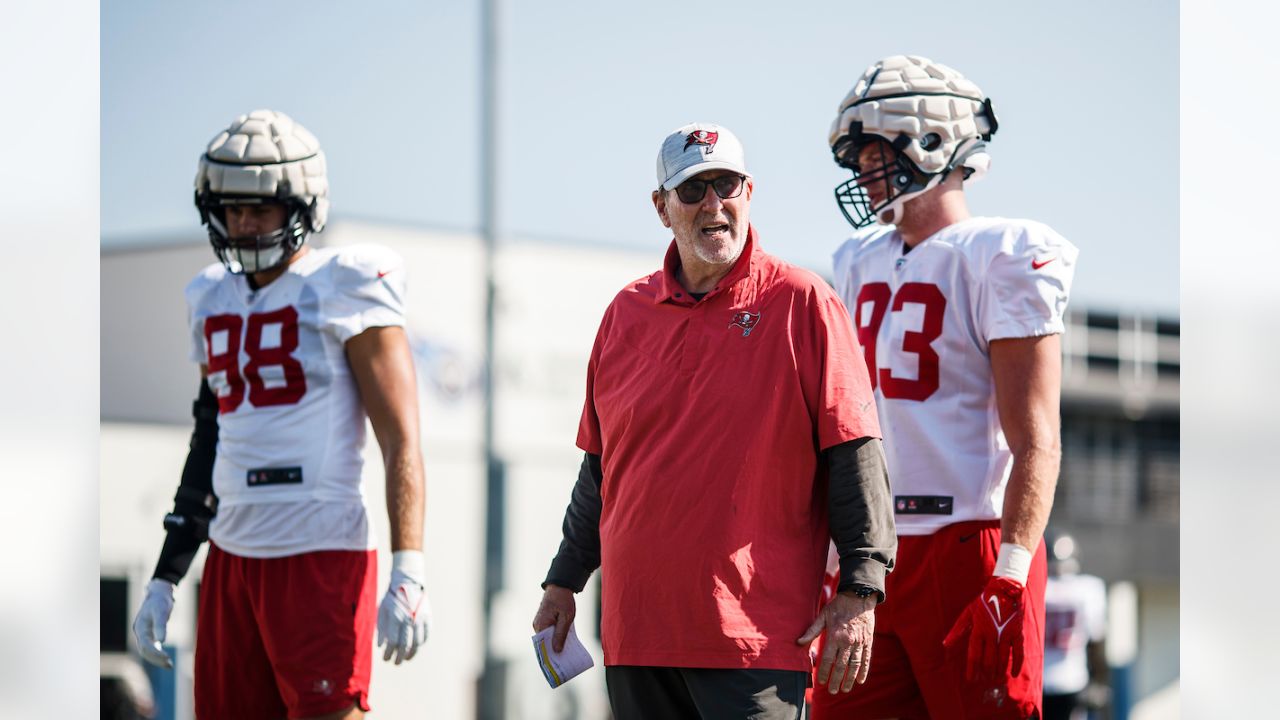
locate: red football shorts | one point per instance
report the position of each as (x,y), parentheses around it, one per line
(913,677)
(284,637)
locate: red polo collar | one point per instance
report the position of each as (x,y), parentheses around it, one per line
(670,289)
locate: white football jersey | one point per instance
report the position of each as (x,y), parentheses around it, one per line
(924,320)
(1075,614)
(291,426)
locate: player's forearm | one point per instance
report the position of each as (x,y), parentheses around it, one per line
(406,495)
(176,555)
(383,368)
(1028,498)
(1028,376)
(194,505)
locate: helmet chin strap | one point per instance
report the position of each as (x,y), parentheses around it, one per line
(253,254)
(250,258)
(891,213)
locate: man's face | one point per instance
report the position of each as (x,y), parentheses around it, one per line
(713,229)
(872,158)
(254,220)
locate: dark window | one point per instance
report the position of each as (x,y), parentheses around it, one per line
(114,619)
(1109,321)
(1102,362)
(1168,327)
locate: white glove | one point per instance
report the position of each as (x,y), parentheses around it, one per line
(404,617)
(149,625)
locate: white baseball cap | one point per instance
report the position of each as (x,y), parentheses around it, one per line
(698,147)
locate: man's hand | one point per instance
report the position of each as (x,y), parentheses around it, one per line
(994,624)
(850,623)
(404,617)
(150,623)
(557,608)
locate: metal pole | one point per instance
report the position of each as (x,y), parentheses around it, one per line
(490,699)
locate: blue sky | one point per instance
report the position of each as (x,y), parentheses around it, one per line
(1087,95)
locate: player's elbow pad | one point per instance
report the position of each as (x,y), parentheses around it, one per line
(194,505)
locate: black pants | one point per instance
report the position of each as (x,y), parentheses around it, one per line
(664,693)
(1061,707)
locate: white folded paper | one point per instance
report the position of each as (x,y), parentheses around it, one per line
(561,667)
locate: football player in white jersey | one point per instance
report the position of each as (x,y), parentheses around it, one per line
(296,346)
(1076,675)
(959,318)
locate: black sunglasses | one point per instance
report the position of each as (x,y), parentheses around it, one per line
(726,186)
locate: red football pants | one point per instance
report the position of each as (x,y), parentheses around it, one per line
(284,637)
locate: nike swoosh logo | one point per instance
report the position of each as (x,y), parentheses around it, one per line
(1034,265)
(384,273)
(994,602)
(404,600)
(967,538)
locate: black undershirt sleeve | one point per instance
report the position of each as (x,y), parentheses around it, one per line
(579,553)
(194,505)
(860,510)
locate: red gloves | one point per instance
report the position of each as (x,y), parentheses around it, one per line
(994,624)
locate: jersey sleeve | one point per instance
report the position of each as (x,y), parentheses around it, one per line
(844,405)
(1027,281)
(369,291)
(197,292)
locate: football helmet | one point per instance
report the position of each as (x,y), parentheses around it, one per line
(262,157)
(927,118)
(1061,553)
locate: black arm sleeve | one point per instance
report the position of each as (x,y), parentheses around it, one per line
(579,553)
(860,508)
(194,504)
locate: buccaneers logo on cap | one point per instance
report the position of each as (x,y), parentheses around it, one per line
(702,137)
(745,320)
